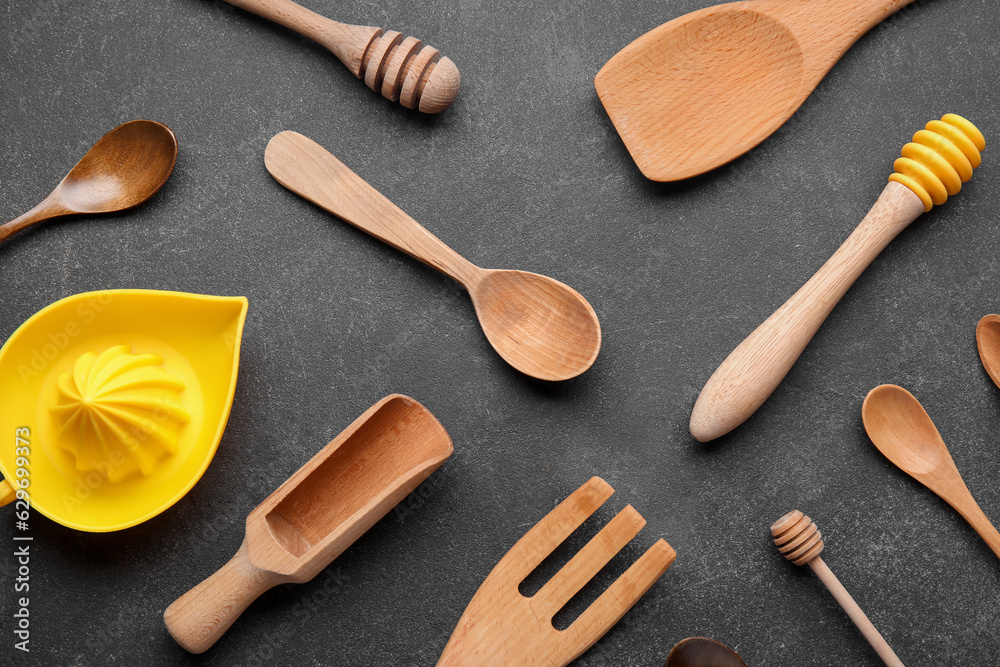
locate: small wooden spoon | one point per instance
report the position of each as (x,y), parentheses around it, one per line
(988,342)
(702,652)
(126,166)
(316,514)
(901,429)
(539,326)
(705,88)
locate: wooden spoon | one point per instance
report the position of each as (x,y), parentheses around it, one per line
(702,652)
(316,514)
(126,166)
(539,326)
(901,429)
(988,342)
(705,88)
(403,70)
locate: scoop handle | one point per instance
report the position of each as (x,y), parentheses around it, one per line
(309,170)
(755,368)
(201,616)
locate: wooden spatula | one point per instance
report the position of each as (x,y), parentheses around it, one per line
(316,514)
(502,627)
(705,88)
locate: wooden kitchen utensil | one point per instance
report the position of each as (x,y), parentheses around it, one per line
(933,166)
(903,431)
(798,539)
(988,342)
(417,78)
(126,166)
(538,325)
(705,88)
(502,627)
(316,514)
(702,652)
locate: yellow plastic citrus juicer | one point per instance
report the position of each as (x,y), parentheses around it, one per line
(115,402)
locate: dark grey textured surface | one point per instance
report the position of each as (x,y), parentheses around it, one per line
(524,171)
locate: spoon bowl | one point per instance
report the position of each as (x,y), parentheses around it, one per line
(702,652)
(903,431)
(540,326)
(126,166)
(988,342)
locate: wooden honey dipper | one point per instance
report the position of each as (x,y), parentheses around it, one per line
(931,168)
(798,539)
(417,78)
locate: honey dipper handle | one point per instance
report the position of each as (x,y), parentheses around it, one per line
(347,42)
(755,368)
(402,69)
(309,170)
(201,616)
(854,611)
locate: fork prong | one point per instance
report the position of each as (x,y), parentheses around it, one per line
(554,528)
(587,562)
(620,596)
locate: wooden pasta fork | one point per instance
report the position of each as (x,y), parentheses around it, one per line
(503,627)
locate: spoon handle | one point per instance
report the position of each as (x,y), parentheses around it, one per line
(755,368)
(50,207)
(855,612)
(309,170)
(965,504)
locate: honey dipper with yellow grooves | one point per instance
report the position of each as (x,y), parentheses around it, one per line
(933,166)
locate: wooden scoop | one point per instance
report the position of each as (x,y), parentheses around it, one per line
(703,89)
(503,627)
(540,326)
(314,516)
(903,431)
(798,540)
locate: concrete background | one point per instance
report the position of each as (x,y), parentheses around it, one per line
(524,171)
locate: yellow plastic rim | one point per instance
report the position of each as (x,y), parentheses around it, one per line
(198,338)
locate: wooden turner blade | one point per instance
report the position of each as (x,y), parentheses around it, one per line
(503,627)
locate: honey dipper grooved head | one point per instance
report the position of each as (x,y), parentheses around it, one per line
(797,537)
(939,159)
(409,72)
